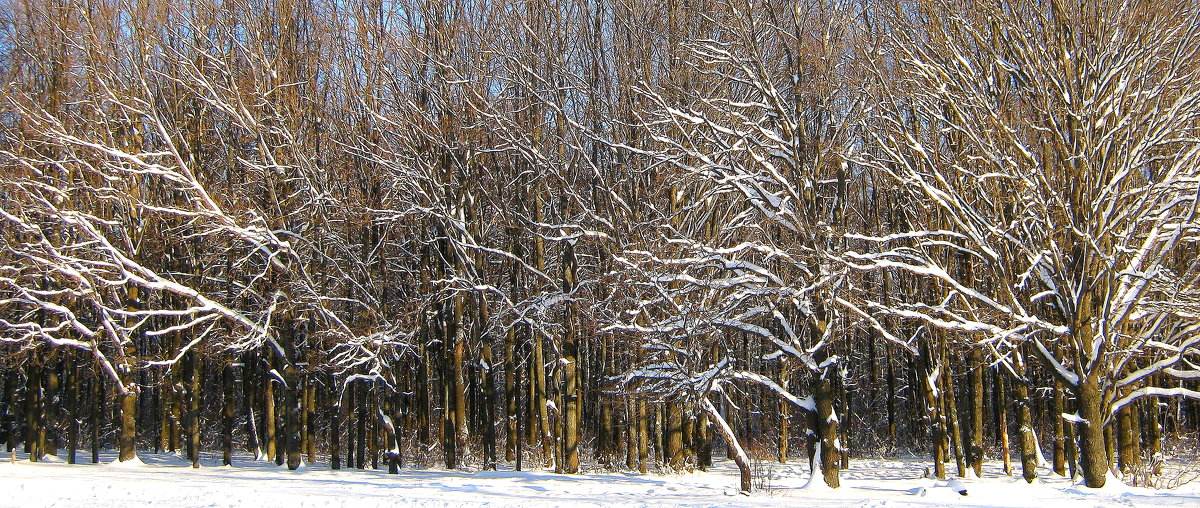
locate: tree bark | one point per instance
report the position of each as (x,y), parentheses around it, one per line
(1001,401)
(310,417)
(72,403)
(1029,444)
(975,450)
(193,368)
(827,430)
(12,410)
(1057,409)
(228,413)
(643,435)
(950,410)
(249,392)
(273,451)
(351,434)
(1129,449)
(784,411)
(99,405)
(48,428)
(1093,454)
(511,434)
(127,442)
(674,439)
(933,414)
(33,404)
(745,483)
(487,378)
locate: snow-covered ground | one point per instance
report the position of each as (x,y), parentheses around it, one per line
(168,481)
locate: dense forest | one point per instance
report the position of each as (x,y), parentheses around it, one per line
(602,234)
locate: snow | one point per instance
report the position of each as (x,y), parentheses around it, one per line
(1073,418)
(168,480)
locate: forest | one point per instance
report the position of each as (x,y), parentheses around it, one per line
(603,234)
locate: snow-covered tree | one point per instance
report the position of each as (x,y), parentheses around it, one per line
(752,138)
(1054,149)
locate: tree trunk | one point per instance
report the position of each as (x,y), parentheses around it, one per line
(511,434)
(99,404)
(1093,455)
(33,404)
(891,399)
(249,391)
(975,450)
(310,417)
(228,413)
(1057,409)
(391,437)
(628,429)
(950,412)
(1029,451)
(674,440)
(643,435)
(487,377)
(1001,401)
(538,402)
(269,419)
(361,418)
(12,411)
(127,442)
(192,371)
(1129,452)
(785,410)
(48,428)
(520,386)
(739,455)
(570,348)
(335,423)
(72,402)
(827,431)
(163,393)
(932,372)
(1155,439)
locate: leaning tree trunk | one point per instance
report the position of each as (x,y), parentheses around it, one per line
(739,455)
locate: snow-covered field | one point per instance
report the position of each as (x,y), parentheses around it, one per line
(168,481)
